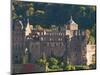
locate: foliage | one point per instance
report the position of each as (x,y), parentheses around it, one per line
(92,66)
(92,35)
(91,40)
(69,67)
(93,32)
(53,61)
(81,67)
(41,61)
(55,14)
(55,64)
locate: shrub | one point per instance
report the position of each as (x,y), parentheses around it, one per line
(69,67)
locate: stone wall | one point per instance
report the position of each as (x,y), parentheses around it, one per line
(91,53)
(27,68)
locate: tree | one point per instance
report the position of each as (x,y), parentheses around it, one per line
(91,40)
(53,60)
(93,32)
(30,11)
(53,63)
(57,14)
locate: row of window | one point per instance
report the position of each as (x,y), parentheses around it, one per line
(51,39)
(55,44)
(18,39)
(49,44)
(52,33)
(60,34)
(18,47)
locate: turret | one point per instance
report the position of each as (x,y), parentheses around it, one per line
(71,28)
(28,29)
(71,25)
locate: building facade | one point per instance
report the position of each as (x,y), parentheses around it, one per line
(69,43)
(18,44)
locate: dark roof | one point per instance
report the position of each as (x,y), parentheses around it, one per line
(71,21)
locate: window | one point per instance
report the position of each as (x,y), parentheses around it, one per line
(59,33)
(48,44)
(38,33)
(16,59)
(50,39)
(50,34)
(33,36)
(44,38)
(58,39)
(41,33)
(76,55)
(55,34)
(46,33)
(61,44)
(33,46)
(41,38)
(52,44)
(28,38)
(57,44)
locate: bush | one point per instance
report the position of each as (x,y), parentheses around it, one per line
(69,67)
(53,61)
(92,66)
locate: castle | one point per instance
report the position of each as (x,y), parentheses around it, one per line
(68,43)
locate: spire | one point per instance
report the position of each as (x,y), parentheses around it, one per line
(71,24)
(71,18)
(71,21)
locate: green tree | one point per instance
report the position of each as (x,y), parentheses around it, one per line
(30,11)
(53,63)
(91,40)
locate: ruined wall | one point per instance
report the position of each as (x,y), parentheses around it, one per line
(91,53)
(18,43)
(35,51)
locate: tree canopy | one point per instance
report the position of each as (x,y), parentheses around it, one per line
(54,14)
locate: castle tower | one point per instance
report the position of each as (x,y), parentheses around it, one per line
(17,42)
(71,28)
(28,29)
(75,49)
(71,25)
